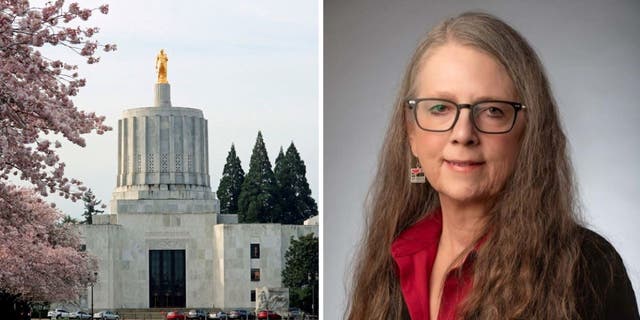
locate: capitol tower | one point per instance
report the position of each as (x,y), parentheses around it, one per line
(163,160)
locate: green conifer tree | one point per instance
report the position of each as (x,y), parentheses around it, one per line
(69,219)
(258,200)
(230,184)
(286,196)
(279,171)
(295,194)
(91,205)
(279,164)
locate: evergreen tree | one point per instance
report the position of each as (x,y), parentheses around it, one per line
(90,206)
(67,219)
(284,176)
(300,274)
(258,200)
(231,183)
(295,194)
(279,164)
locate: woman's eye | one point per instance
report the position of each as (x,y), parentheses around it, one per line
(494,112)
(439,108)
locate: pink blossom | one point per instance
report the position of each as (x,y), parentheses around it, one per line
(48,11)
(88,49)
(84,14)
(74,8)
(38,257)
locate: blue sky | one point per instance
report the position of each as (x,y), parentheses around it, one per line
(249,65)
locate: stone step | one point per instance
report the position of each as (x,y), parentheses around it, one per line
(147,314)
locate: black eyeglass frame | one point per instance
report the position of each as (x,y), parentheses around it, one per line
(412,103)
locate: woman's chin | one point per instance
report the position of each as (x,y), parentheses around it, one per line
(463,195)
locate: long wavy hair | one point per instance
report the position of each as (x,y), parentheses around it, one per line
(523,270)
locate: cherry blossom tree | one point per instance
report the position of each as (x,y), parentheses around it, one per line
(36,91)
(40,257)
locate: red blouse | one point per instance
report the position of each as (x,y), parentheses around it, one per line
(414,252)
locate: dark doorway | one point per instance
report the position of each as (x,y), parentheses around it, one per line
(166,278)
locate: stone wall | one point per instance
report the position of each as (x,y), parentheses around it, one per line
(218,257)
(234,265)
(103,241)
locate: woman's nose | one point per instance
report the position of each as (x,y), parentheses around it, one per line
(463,131)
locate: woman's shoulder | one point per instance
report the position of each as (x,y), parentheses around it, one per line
(603,289)
(598,252)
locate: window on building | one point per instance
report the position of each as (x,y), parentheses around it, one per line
(255,274)
(253,295)
(83,247)
(255,251)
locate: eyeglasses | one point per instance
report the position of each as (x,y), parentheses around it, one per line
(439,115)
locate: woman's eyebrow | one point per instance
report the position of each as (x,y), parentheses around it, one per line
(450,96)
(440,94)
(489,98)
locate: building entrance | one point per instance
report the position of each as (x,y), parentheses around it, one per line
(166,278)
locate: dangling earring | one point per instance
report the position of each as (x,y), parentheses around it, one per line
(416,175)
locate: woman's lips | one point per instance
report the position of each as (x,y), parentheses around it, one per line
(462,165)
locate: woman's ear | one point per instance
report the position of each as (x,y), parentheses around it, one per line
(410,137)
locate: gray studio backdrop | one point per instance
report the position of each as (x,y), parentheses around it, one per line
(591,51)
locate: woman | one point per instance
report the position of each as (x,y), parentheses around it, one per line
(494,233)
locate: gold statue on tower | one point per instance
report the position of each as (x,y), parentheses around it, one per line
(161,66)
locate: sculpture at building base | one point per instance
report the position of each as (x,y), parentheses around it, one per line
(274,299)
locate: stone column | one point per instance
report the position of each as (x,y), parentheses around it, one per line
(162,95)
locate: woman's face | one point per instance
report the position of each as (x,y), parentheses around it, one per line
(463,164)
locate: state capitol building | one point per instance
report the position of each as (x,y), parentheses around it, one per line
(165,243)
